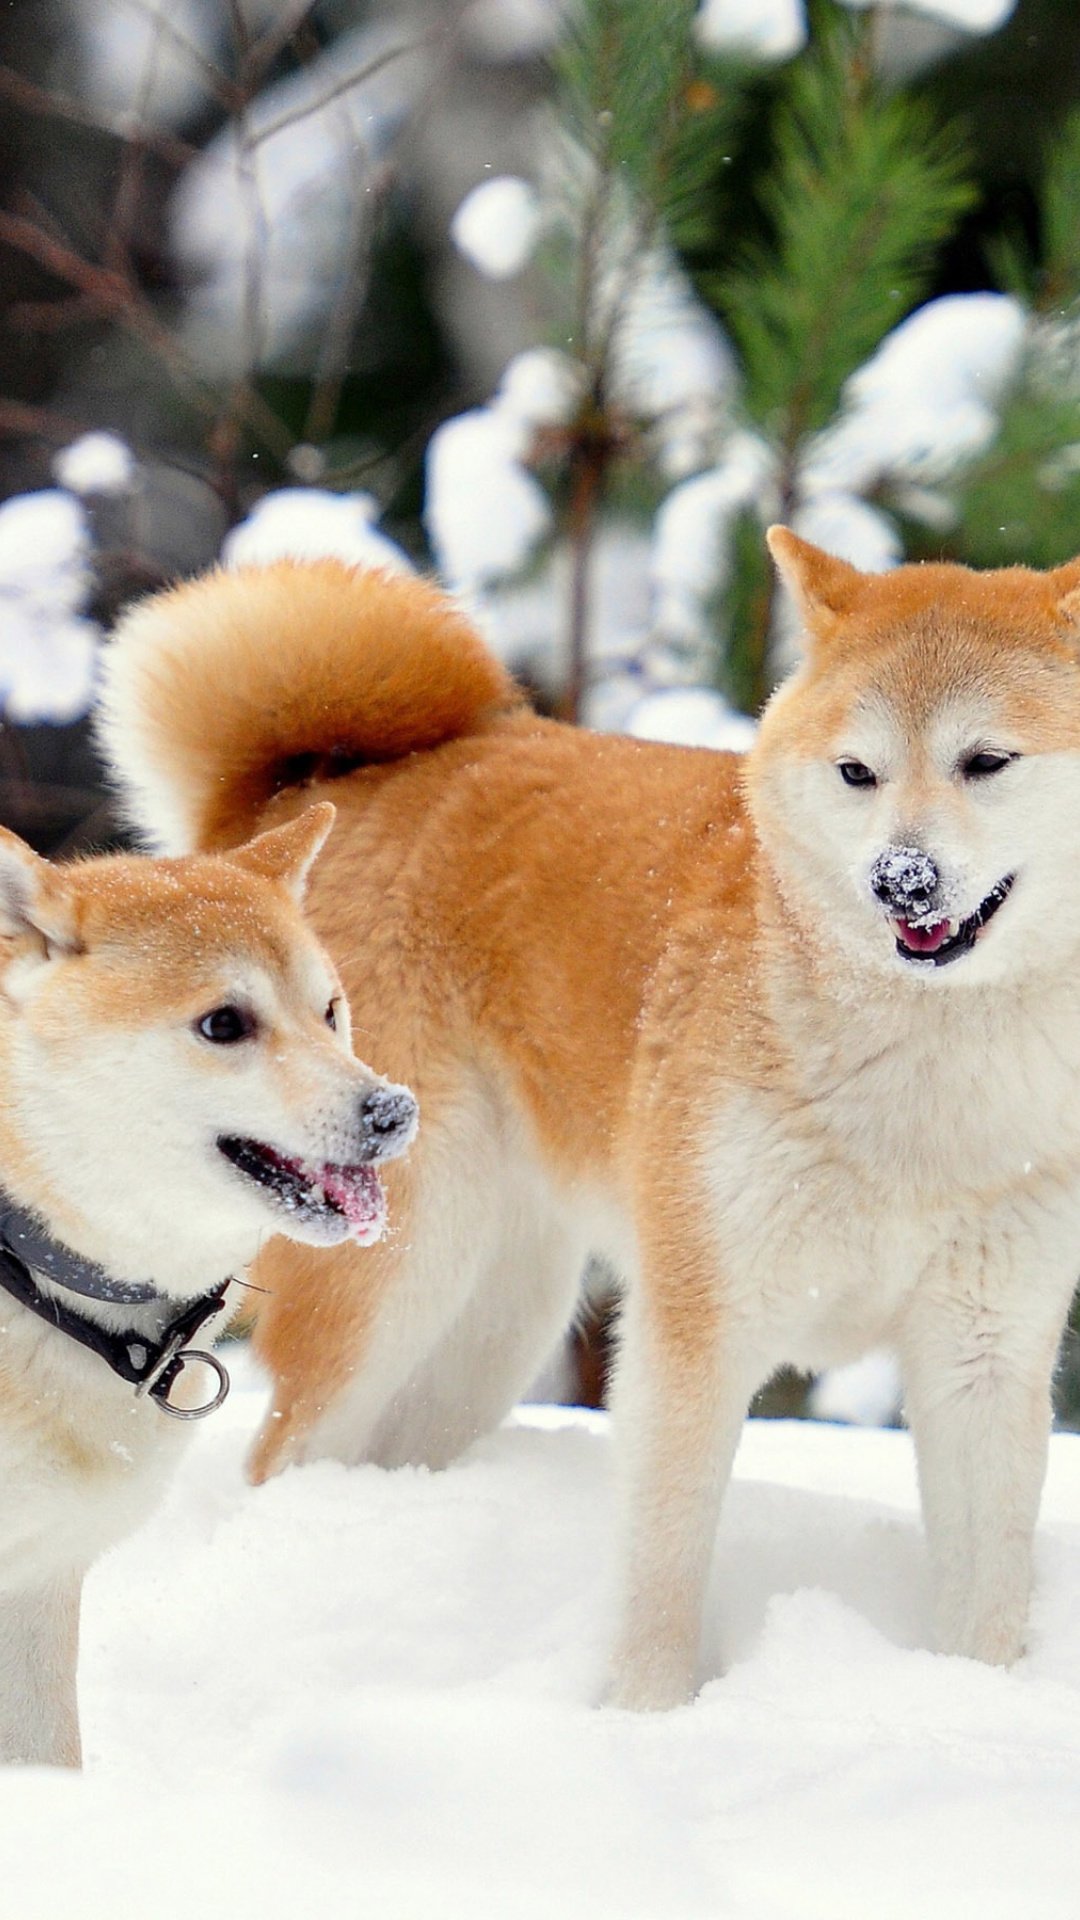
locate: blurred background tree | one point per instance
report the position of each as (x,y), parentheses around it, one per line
(564,299)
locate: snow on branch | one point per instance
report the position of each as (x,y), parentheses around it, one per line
(48,648)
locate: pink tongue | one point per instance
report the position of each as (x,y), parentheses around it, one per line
(923,939)
(358,1191)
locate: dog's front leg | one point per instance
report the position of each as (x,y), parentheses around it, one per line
(39,1644)
(978,1359)
(680,1397)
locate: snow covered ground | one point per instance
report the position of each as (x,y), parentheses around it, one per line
(358,1693)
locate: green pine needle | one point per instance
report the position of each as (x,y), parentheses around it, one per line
(1060,279)
(1019,504)
(863,190)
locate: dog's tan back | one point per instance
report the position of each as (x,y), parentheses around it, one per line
(693,1016)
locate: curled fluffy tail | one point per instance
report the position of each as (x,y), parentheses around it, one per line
(221,691)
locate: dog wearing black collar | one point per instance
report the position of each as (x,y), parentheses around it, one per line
(179,1085)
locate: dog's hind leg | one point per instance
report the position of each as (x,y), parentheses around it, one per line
(340,1341)
(39,1644)
(491,1353)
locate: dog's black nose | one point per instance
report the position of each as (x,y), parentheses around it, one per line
(905,880)
(387,1121)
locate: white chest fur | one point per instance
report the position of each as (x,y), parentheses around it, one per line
(904,1137)
(84,1458)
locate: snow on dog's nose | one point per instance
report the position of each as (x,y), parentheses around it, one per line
(388,1118)
(906,881)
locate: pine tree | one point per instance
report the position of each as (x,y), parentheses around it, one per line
(863,189)
(1019,503)
(644,120)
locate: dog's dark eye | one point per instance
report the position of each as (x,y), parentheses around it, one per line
(855,774)
(226,1025)
(978,765)
(330,1016)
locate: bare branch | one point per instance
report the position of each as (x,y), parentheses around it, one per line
(216,82)
(114,295)
(240,33)
(255,226)
(19,421)
(116,247)
(273,42)
(117,126)
(349,297)
(107,288)
(352,287)
(53,316)
(356,78)
(31,208)
(224,438)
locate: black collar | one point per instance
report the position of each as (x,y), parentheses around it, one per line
(22,1234)
(151,1364)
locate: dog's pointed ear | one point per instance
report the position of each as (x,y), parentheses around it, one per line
(1066,585)
(287,854)
(823,588)
(33,898)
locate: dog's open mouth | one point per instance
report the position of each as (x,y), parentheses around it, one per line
(314,1196)
(944,940)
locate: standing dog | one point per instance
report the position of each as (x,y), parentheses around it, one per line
(794,1043)
(178,1085)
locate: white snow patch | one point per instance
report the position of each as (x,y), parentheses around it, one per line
(927,399)
(540,387)
(307,523)
(866,1393)
(691,533)
(44,546)
(48,650)
(973,16)
(759,29)
(294,216)
(96,463)
(669,363)
(850,529)
(356,1691)
(130,57)
(483,511)
(668,351)
(691,717)
(525,621)
(496,226)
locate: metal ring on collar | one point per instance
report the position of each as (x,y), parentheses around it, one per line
(162,1384)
